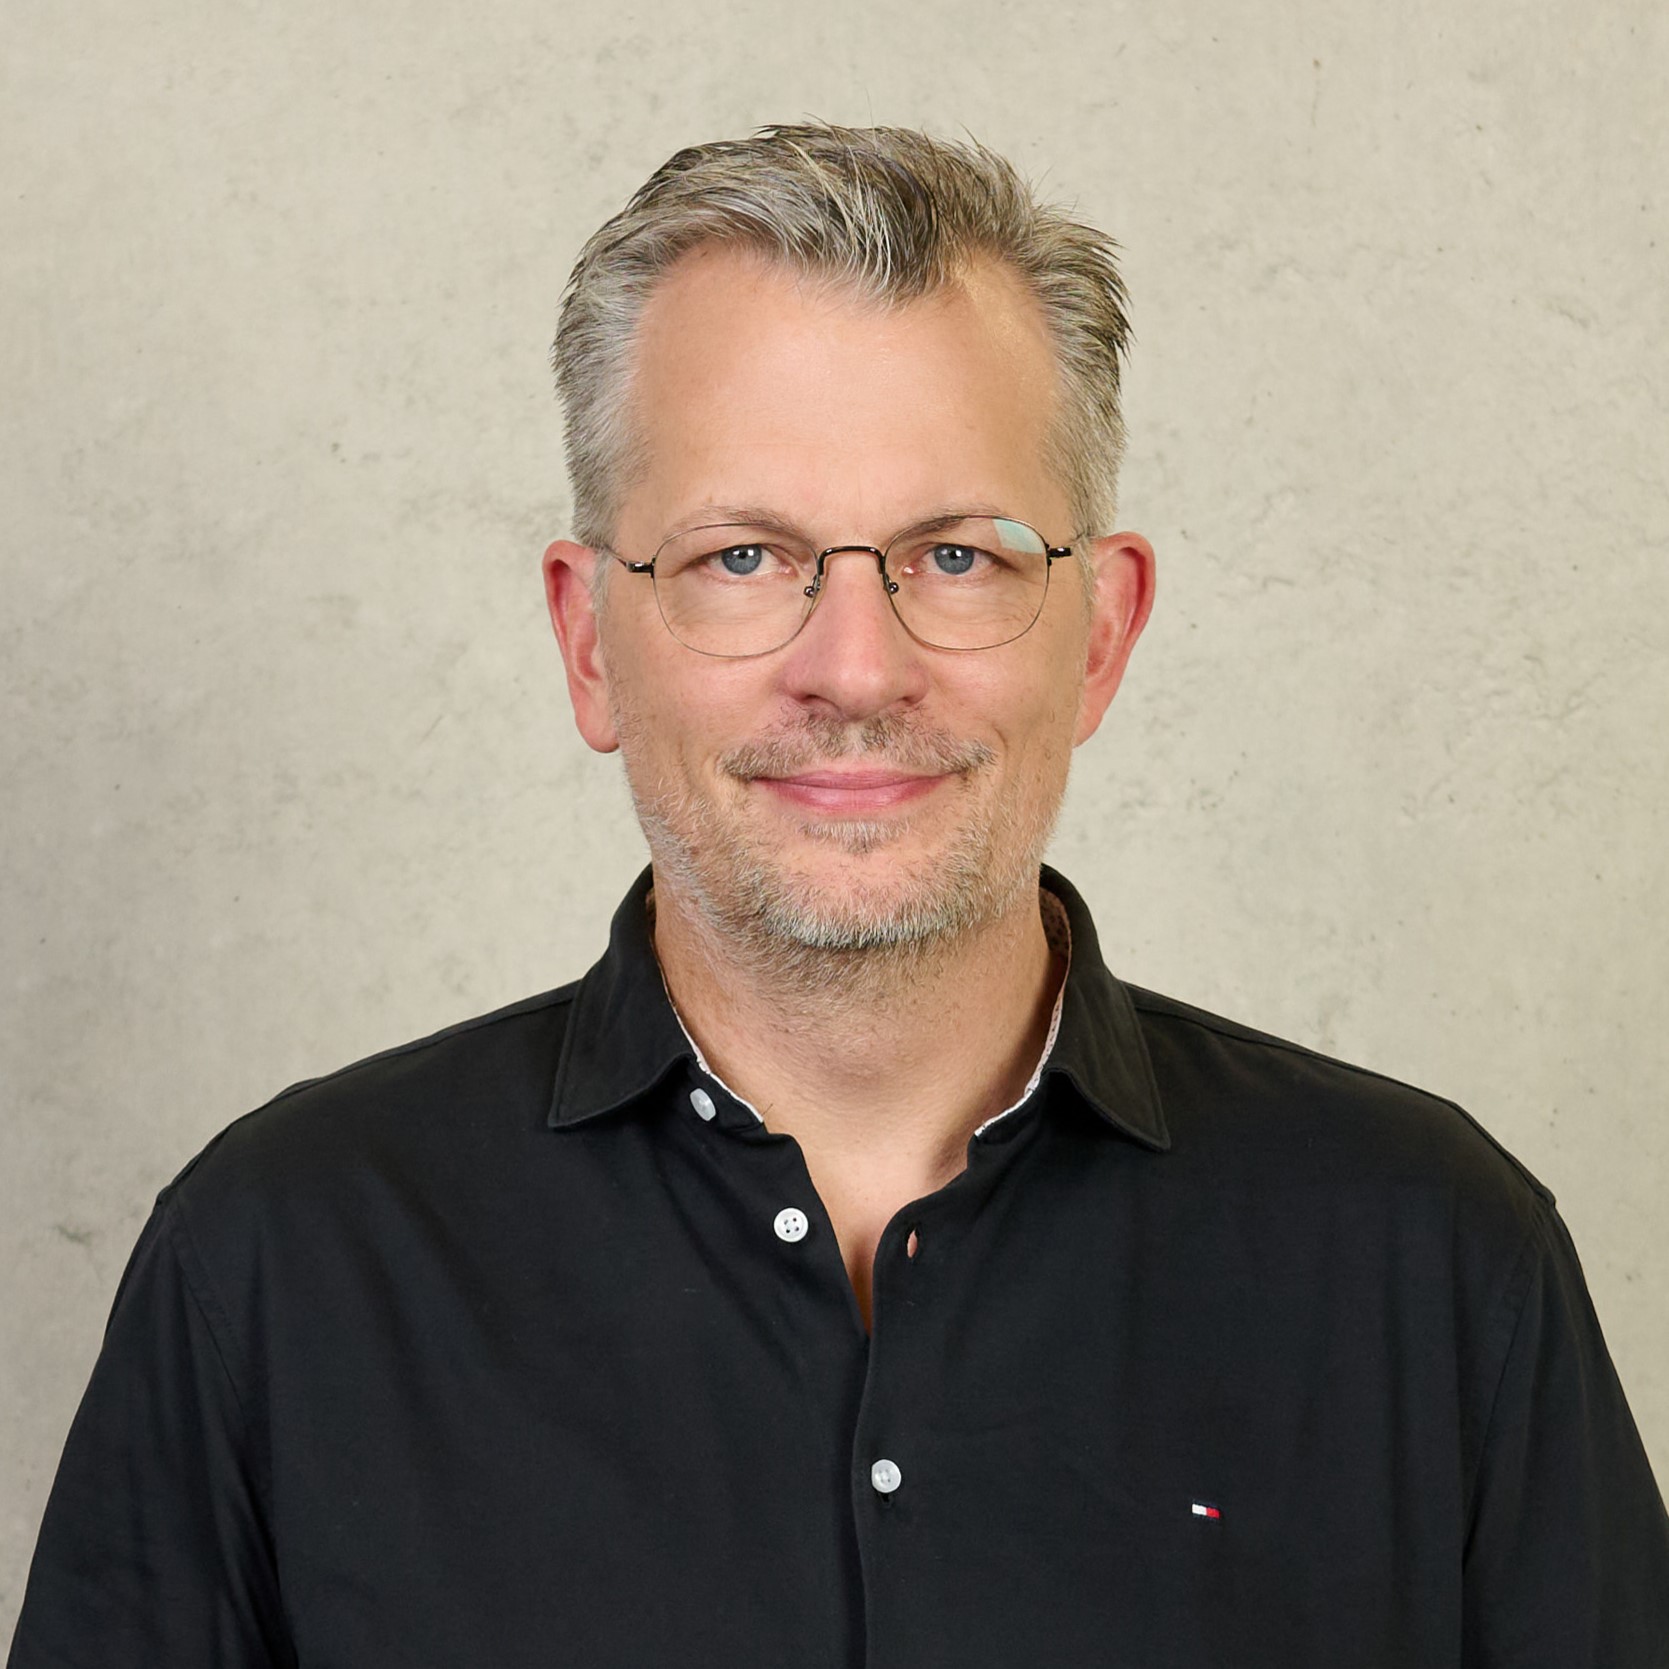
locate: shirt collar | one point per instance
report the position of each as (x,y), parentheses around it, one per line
(624,1038)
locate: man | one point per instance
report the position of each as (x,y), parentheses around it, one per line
(849,1269)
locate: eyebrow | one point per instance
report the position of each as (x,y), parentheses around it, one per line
(771,521)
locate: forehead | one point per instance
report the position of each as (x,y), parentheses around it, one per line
(756,384)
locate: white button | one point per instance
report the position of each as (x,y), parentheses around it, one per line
(791,1224)
(885,1476)
(702,1102)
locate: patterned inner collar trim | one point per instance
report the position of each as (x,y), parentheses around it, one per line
(1057,929)
(695,1048)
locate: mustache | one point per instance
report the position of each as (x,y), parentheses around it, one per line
(886,738)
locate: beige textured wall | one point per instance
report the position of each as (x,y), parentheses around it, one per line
(287,769)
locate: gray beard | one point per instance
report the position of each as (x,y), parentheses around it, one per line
(766,916)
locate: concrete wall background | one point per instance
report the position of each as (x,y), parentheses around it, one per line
(288,772)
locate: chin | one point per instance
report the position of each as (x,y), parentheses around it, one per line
(856,839)
(852,905)
(840,886)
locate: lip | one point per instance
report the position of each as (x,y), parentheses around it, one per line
(850,793)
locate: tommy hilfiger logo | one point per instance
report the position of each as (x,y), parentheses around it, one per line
(1204,1509)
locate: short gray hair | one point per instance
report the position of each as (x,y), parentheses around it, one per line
(888,211)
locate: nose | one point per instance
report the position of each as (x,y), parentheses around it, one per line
(853,655)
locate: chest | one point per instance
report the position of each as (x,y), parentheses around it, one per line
(649,1433)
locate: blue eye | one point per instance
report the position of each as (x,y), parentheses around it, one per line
(742,560)
(953,559)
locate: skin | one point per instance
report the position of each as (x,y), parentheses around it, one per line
(899,780)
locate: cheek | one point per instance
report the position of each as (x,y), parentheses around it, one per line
(1061,692)
(1040,708)
(672,730)
(638,684)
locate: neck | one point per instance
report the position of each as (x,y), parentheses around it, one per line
(878,1062)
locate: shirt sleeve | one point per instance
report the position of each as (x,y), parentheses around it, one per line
(154,1548)
(1567,1560)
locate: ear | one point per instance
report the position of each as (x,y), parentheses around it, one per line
(1124,579)
(568,572)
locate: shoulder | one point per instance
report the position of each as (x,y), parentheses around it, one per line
(406,1110)
(1291,1121)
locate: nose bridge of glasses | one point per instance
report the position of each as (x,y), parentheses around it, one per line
(855,550)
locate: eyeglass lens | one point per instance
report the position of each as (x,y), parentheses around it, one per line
(734,590)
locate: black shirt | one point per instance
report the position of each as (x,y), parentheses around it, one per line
(494,1351)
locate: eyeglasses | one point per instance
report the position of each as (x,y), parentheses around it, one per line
(959,582)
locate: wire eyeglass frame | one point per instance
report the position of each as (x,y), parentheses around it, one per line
(1050,553)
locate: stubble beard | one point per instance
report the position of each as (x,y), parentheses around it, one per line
(797,927)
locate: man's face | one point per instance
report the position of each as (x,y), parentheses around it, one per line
(853,788)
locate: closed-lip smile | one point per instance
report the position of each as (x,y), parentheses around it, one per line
(853,792)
